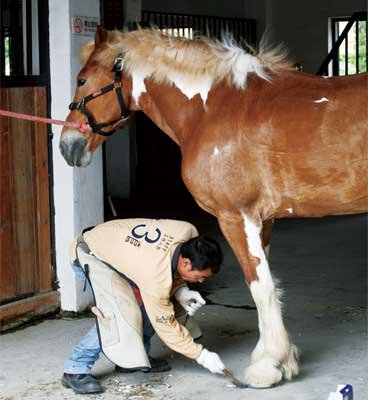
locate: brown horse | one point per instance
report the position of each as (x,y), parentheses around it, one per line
(259,141)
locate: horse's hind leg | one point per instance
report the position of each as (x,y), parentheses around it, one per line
(274,356)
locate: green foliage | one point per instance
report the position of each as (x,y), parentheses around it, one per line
(7,55)
(362,43)
(362,46)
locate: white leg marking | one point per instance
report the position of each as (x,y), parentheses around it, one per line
(274,350)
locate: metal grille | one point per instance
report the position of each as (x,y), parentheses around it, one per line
(189,25)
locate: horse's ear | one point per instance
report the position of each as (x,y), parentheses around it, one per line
(101,35)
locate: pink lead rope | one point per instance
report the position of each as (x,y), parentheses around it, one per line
(82,127)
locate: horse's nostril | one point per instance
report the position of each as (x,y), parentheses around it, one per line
(78,151)
(65,152)
(62,147)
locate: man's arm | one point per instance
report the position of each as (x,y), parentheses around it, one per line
(177,336)
(162,316)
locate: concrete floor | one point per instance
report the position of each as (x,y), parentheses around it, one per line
(322,268)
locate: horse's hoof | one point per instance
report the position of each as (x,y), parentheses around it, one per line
(263,374)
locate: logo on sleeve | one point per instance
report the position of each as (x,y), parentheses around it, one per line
(165,319)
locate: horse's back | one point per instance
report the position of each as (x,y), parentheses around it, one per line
(296,143)
(308,113)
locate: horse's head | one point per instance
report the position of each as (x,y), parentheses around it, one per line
(101,101)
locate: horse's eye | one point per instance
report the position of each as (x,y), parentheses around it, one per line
(81,81)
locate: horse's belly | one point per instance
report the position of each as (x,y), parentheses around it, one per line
(334,192)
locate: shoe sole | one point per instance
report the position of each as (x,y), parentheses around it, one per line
(145,370)
(159,369)
(132,370)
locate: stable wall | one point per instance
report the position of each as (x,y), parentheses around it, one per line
(304,26)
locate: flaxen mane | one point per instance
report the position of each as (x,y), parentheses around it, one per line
(165,58)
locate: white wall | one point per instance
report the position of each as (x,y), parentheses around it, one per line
(78,192)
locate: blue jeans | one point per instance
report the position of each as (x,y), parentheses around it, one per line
(87,352)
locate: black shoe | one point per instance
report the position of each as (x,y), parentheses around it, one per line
(81,383)
(157,365)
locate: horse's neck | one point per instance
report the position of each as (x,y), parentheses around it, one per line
(171,110)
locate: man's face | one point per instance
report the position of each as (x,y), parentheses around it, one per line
(189,274)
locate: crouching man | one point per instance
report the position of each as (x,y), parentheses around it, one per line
(136,268)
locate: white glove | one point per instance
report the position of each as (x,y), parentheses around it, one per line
(190,300)
(211,361)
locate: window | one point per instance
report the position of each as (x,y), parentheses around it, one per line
(184,32)
(351,57)
(23,42)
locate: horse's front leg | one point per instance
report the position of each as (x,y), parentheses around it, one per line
(274,356)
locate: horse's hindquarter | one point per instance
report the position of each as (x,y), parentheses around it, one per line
(318,151)
(293,147)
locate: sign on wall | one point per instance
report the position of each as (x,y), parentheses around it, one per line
(84,26)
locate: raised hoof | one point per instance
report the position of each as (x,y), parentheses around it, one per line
(263,374)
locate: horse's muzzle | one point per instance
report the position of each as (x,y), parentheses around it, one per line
(73,147)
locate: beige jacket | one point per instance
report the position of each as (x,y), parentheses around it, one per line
(142,249)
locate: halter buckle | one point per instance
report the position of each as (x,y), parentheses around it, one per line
(118,64)
(76,105)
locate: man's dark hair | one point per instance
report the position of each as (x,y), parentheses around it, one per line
(203,253)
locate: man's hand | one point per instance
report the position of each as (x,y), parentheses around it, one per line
(190,300)
(211,361)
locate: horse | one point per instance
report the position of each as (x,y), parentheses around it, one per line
(259,141)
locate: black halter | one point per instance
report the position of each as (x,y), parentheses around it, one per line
(116,86)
